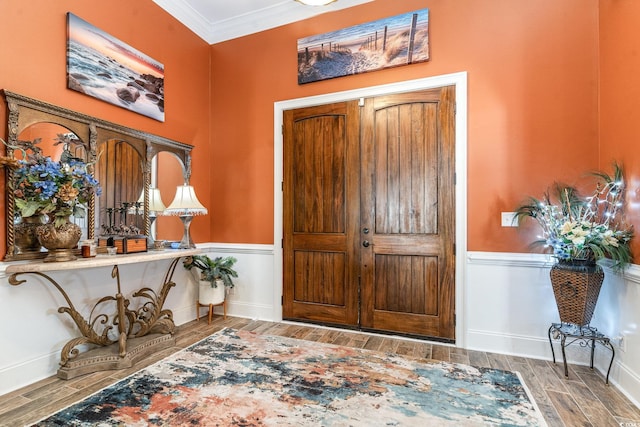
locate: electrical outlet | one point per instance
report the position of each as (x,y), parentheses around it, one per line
(232,291)
(623,342)
(509,219)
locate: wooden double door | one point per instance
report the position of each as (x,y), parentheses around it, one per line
(369,214)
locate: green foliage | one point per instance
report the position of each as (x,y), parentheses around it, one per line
(211,270)
(584,228)
(58,189)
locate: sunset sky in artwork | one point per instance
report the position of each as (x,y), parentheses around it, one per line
(88,35)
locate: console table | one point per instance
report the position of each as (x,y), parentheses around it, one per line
(586,336)
(122,338)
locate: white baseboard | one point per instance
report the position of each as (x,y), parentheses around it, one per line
(28,372)
(248,310)
(627,381)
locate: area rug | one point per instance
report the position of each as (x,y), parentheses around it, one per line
(239,378)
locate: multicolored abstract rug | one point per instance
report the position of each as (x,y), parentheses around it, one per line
(238,378)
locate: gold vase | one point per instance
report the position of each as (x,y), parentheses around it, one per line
(60,241)
(26,239)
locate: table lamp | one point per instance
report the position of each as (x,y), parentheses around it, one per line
(185,205)
(156,208)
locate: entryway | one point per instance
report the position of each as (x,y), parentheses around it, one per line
(369,213)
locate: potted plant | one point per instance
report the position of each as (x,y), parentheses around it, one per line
(580,231)
(216,275)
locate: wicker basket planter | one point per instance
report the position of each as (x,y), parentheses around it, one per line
(576,286)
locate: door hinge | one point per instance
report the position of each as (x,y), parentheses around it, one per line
(281,243)
(282,300)
(361,102)
(282,186)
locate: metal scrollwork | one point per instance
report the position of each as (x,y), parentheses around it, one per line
(86,327)
(99,328)
(586,336)
(151,317)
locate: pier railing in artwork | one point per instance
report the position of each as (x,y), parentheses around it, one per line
(377,40)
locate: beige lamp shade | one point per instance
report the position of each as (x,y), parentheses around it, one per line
(185,203)
(156,206)
(155,201)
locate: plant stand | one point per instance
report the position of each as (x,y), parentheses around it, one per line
(587,336)
(224,308)
(209,296)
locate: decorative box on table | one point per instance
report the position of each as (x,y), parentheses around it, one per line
(125,244)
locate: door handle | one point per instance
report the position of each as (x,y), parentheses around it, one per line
(365,243)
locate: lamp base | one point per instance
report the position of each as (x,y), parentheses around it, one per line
(151,242)
(186,242)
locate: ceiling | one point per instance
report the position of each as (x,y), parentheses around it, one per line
(219,20)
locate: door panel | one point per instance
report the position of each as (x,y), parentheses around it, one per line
(321,214)
(407,189)
(319,277)
(405,282)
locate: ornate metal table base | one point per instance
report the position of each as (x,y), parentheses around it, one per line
(118,340)
(108,358)
(587,336)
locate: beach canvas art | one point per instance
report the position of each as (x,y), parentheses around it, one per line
(390,42)
(104,67)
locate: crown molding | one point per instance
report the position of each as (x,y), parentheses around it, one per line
(263,19)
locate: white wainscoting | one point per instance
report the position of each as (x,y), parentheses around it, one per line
(507,301)
(510,305)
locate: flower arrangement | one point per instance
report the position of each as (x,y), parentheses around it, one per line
(589,229)
(42,186)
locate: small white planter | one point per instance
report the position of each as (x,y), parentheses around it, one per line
(209,295)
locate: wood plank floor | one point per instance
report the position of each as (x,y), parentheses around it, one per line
(582,400)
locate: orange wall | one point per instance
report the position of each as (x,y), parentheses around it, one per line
(551,95)
(533,114)
(619,94)
(33,63)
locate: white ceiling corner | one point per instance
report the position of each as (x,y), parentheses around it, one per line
(218,20)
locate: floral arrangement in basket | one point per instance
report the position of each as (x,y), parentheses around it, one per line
(58,189)
(586,229)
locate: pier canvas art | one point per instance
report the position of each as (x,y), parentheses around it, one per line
(390,42)
(104,67)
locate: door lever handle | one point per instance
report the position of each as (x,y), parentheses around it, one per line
(365,243)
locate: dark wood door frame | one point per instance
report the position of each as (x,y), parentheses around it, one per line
(459,80)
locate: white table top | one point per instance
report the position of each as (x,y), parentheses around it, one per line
(99,261)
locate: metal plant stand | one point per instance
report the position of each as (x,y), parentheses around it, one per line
(586,336)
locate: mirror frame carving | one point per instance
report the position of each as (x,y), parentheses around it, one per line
(24,112)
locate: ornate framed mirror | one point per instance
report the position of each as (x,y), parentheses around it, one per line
(122,159)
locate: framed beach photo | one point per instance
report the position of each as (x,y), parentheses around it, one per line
(104,67)
(390,42)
